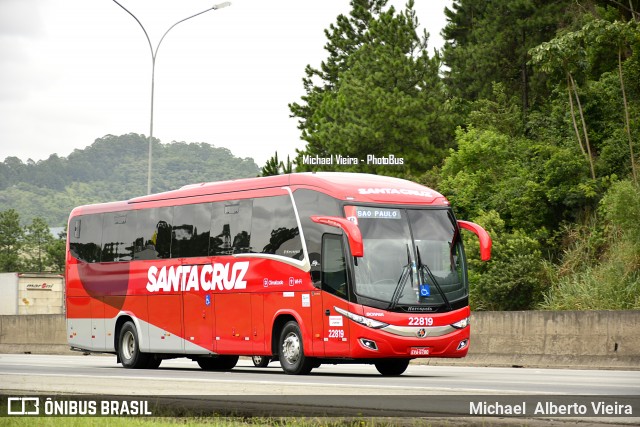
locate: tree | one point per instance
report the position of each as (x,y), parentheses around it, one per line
(533,185)
(11,240)
(37,239)
(621,35)
(345,36)
(56,251)
(492,171)
(276,167)
(488,42)
(565,55)
(514,279)
(379,95)
(587,54)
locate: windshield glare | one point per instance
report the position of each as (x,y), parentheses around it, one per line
(411,256)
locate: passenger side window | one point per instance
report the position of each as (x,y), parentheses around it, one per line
(334,267)
(274,228)
(190,233)
(230,227)
(118,236)
(153,234)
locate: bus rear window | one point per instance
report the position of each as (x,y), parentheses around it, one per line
(85,238)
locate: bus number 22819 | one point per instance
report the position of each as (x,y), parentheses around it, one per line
(420,321)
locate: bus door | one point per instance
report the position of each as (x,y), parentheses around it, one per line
(334,284)
(198,313)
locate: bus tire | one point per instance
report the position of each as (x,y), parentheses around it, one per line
(153,362)
(392,367)
(219,363)
(129,348)
(291,351)
(261,361)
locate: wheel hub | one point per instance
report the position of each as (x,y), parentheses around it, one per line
(291,348)
(128,345)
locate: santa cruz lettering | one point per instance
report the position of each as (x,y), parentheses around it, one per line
(403,191)
(207,277)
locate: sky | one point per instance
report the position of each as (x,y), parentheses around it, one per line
(72,71)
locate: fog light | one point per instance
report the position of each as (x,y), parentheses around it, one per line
(371,345)
(463,344)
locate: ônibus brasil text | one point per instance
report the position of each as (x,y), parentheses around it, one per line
(207,277)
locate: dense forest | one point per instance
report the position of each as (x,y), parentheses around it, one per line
(112,168)
(528,120)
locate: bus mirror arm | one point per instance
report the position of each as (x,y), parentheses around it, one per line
(350,229)
(483,236)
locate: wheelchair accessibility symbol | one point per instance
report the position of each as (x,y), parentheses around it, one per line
(424,290)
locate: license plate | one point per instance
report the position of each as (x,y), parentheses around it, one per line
(419,351)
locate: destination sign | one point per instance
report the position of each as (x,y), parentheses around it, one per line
(377,213)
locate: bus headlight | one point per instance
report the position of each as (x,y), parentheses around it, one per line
(371,323)
(461,324)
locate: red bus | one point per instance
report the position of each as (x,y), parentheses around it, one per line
(306,268)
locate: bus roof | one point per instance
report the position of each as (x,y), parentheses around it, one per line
(345,186)
(356,187)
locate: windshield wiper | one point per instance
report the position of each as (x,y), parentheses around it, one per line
(425,268)
(404,275)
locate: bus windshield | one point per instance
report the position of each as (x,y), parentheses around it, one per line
(412,257)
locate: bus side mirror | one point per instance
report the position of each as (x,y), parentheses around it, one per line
(483,236)
(350,229)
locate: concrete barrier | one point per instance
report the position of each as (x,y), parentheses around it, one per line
(560,339)
(36,333)
(575,339)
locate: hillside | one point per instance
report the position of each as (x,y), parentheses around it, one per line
(112,168)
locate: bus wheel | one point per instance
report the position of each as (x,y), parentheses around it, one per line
(291,354)
(129,348)
(261,361)
(392,367)
(219,363)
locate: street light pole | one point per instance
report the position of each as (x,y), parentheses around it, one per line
(154,54)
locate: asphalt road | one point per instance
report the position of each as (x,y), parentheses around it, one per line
(101,374)
(93,375)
